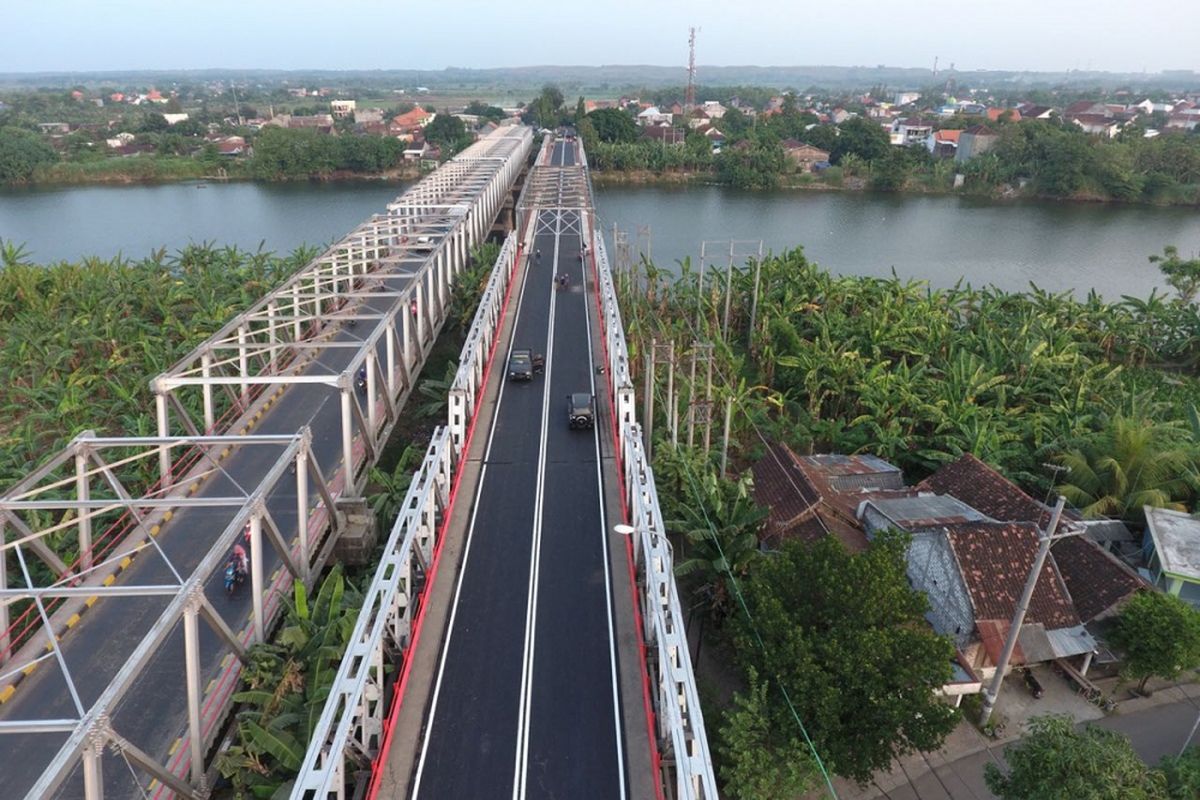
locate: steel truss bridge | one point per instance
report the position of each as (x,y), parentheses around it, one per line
(109,684)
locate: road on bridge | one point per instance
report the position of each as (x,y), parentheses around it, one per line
(526,702)
(154,713)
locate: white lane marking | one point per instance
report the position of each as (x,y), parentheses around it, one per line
(520,769)
(604,533)
(467,551)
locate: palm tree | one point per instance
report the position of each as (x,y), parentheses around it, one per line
(1132,462)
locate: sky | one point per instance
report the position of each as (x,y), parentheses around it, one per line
(1051,35)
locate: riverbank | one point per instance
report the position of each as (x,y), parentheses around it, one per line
(857,184)
(175,169)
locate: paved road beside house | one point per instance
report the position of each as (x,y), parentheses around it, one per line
(1157,725)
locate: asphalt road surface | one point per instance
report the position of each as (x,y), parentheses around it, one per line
(526,703)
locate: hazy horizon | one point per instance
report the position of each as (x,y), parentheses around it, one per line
(368,35)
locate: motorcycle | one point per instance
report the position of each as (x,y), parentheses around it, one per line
(234,578)
(1032,683)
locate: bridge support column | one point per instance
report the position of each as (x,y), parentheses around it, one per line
(93,769)
(256,574)
(191,655)
(347,445)
(372,383)
(164,453)
(243,363)
(459,411)
(85,515)
(389,338)
(302,508)
(207,393)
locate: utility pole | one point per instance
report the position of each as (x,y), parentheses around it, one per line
(648,414)
(725,439)
(673,411)
(1010,642)
(708,404)
(754,302)
(728,293)
(692,398)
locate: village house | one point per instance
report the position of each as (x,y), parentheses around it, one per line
(912,131)
(804,156)
(944,144)
(1174,552)
(365,116)
(652,115)
(666,134)
(175,119)
(342,109)
(406,126)
(974,141)
(1097,124)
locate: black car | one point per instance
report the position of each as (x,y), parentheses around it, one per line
(520,365)
(581,410)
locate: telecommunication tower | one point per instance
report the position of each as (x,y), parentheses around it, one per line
(689,101)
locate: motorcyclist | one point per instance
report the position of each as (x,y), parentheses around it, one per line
(563,280)
(360,377)
(538,253)
(239,559)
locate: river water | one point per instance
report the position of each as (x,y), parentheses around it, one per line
(940,239)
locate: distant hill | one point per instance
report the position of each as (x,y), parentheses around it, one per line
(618,78)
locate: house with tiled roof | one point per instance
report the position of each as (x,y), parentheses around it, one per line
(811,497)
(1097,580)
(944,143)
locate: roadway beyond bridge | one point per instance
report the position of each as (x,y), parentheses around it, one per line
(544,654)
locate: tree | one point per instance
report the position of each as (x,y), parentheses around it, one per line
(1182,275)
(546,108)
(1183,774)
(484,111)
(759,763)
(21,152)
(844,634)
(861,137)
(1160,636)
(154,123)
(447,131)
(1055,761)
(1132,462)
(613,125)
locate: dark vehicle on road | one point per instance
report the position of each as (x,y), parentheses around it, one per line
(581,410)
(520,365)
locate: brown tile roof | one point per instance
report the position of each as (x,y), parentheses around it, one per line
(782,487)
(995,559)
(1096,579)
(986,490)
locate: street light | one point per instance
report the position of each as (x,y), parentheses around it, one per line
(624,530)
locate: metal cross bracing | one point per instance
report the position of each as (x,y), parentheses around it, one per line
(394,272)
(90,487)
(682,739)
(307,331)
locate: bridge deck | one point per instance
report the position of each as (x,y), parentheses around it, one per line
(533,688)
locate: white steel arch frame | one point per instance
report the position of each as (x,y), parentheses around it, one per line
(682,739)
(93,491)
(351,724)
(409,257)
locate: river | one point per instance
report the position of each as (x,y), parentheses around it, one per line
(940,239)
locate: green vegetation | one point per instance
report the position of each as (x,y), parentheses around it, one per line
(287,153)
(80,341)
(21,153)
(286,683)
(844,638)
(1055,760)
(918,376)
(1159,636)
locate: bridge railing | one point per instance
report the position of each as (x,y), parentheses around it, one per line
(349,733)
(682,740)
(350,730)
(468,381)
